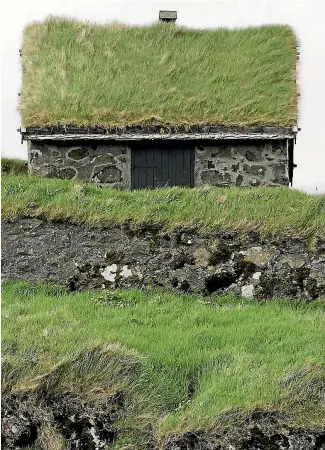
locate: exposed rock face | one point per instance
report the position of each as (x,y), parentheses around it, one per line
(42,419)
(218,262)
(67,422)
(257,431)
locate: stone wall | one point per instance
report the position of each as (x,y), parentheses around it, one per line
(239,163)
(214,263)
(95,162)
(221,163)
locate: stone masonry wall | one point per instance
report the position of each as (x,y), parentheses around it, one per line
(239,163)
(223,163)
(95,162)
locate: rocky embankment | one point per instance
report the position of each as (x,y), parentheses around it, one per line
(214,262)
(48,421)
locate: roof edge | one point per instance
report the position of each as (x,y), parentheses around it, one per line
(159,132)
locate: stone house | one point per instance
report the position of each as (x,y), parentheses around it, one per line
(134,159)
(156,152)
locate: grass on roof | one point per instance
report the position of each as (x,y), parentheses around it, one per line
(276,211)
(196,360)
(114,75)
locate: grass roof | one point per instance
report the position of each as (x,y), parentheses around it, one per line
(115,75)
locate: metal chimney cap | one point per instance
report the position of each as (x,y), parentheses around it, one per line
(168,16)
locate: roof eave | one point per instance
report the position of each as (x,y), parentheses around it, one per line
(138,133)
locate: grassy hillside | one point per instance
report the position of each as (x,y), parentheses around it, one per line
(11,166)
(268,210)
(186,361)
(82,73)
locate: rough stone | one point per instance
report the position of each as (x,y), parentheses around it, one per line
(126,272)
(255,169)
(253,155)
(107,158)
(257,275)
(280,175)
(109,273)
(257,256)
(79,424)
(239,180)
(222,152)
(293,261)
(257,430)
(248,291)
(216,178)
(215,163)
(76,424)
(202,257)
(78,153)
(67,173)
(106,174)
(88,161)
(233,159)
(255,182)
(215,262)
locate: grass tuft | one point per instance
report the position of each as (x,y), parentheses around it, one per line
(12,166)
(115,75)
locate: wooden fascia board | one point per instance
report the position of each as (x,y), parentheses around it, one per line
(157,136)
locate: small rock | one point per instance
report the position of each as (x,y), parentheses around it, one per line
(126,272)
(109,273)
(247,291)
(202,257)
(257,255)
(293,261)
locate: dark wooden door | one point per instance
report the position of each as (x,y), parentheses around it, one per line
(162,164)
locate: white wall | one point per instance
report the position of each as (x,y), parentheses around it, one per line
(306,17)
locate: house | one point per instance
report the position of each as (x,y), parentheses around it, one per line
(145,107)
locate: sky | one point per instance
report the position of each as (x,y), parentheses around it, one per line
(305,16)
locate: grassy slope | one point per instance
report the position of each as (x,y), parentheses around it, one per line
(197,358)
(82,73)
(276,210)
(12,166)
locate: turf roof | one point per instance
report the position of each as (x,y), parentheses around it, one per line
(116,75)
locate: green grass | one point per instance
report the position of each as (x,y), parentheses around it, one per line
(270,211)
(181,361)
(116,75)
(12,166)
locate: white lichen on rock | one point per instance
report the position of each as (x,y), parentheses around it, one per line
(126,272)
(247,291)
(257,275)
(109,273)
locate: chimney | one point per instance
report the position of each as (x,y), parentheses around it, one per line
(167,16)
